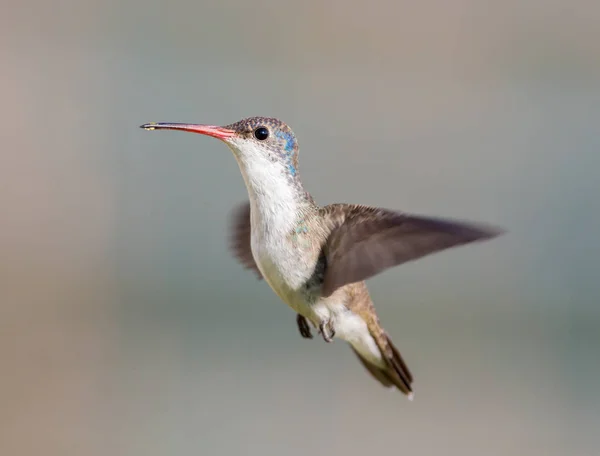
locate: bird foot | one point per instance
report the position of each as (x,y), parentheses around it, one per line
(303,327)
(327,331)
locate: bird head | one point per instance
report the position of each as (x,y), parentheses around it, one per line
(254,139)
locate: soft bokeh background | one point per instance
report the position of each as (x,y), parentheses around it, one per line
(127,329)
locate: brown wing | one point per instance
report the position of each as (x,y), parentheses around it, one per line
(366,240)
(240,238)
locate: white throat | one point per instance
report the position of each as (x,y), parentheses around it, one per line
(273,198)
(275,210)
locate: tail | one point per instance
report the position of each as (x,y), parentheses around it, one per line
(395,373)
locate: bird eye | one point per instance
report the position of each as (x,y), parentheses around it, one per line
(261,133)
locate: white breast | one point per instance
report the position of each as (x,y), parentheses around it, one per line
(274,213)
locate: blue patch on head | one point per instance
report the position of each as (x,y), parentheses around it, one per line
(289,140)
(289,149)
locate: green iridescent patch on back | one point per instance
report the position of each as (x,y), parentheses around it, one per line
(299,235)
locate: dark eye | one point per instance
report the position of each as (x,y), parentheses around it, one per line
(261,133)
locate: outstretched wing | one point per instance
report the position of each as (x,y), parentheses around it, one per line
(367,240)
(240,238)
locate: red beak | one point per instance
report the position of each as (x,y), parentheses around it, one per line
(209,130)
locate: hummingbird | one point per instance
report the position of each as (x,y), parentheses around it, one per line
(317,258)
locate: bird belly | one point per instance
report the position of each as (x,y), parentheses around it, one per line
(285,279)
(284,267)
(286,273)
(347,325)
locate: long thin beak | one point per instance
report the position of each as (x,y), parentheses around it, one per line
(209,130)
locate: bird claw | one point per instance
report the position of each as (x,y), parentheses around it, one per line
(303,327)
(327,331)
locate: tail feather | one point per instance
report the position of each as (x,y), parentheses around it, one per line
(395,374)
(399,365)
(379,374)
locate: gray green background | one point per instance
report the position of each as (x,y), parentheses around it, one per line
(127,329)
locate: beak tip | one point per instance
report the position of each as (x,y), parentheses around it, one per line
(148,126)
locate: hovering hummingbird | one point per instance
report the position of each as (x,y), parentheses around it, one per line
(316,259)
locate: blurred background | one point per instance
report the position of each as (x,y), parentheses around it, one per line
(126,328)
